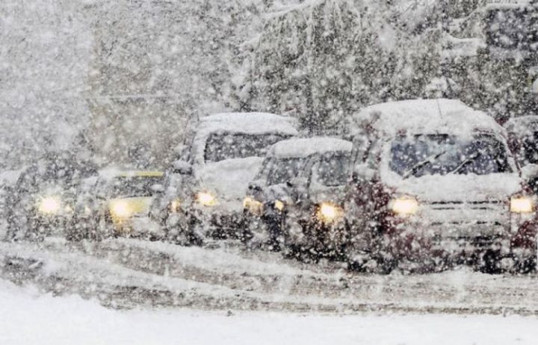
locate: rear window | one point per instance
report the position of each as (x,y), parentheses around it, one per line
(333,170)
(222,146)
(136,186)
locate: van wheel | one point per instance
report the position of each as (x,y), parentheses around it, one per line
(491,262)
(525,265)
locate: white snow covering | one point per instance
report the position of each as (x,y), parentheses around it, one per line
(250,123)
(304,147)
(425,116)
(522,125)
(506,4)
(10,177)
(27,317)
(229,178)
(453,187)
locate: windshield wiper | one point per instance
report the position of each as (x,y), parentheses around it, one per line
(465,162)
(417,167)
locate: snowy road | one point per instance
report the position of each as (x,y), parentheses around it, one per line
(128,273)
(27,317)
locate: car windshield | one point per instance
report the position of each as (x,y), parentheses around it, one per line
(422,155)
(529,150)
(333,169)
(282,170)
(136,186)
(222,146)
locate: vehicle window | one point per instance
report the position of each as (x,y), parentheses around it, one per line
(125,187)
(529,151)
(443,154)
(333,170)
(282,170)
(221,146)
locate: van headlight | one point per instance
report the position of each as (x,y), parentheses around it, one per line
(121,209)
(253,206)
(328,212)
(279,205)
(50,205)
(521,204)
(404,206)
(206,199)
(175,206)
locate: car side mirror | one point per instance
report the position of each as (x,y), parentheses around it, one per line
(297,182)
(183,168)
(254,186)
(363,172)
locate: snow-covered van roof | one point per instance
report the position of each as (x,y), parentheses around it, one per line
(249,123)
(522,125)
(303,147)
(423,116)
(507,4)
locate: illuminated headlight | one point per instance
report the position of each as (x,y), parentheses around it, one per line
(50,205)
(521,204)
(328,213)
(120,209)
(175,206)
(206,199)
(253,206)
(279,205)
(404,206)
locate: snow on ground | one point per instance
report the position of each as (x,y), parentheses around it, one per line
(27,317)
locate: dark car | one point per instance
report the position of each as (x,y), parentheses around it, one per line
(296,194)
(44,197)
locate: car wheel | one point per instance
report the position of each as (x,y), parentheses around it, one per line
(491,262)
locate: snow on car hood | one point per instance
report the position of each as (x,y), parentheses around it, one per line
(456,188)
(229,178)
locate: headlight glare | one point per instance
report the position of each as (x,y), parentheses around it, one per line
(404,206)
(206,199)
(120,209)
(279,205)
(50,205)
(328,212)
(521,204)
(175,206)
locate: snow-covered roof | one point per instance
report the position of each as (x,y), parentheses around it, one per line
(250,123)
(522,124)
(424,116)
(507,4)
(10,177)
(303,147)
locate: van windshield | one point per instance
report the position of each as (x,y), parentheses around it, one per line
(222,146)
(136,186)
(281,170)
(441,154)
(333,169)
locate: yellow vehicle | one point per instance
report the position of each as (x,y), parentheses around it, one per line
(121,204)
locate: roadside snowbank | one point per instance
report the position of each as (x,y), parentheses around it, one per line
(26,317)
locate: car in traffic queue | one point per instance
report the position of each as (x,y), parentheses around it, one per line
(119,206)
(523,141)
(293,202)
(222,155)
(42,201)
(434,184)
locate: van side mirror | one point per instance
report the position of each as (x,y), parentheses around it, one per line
(181,167)
(362,172)
(297,182)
